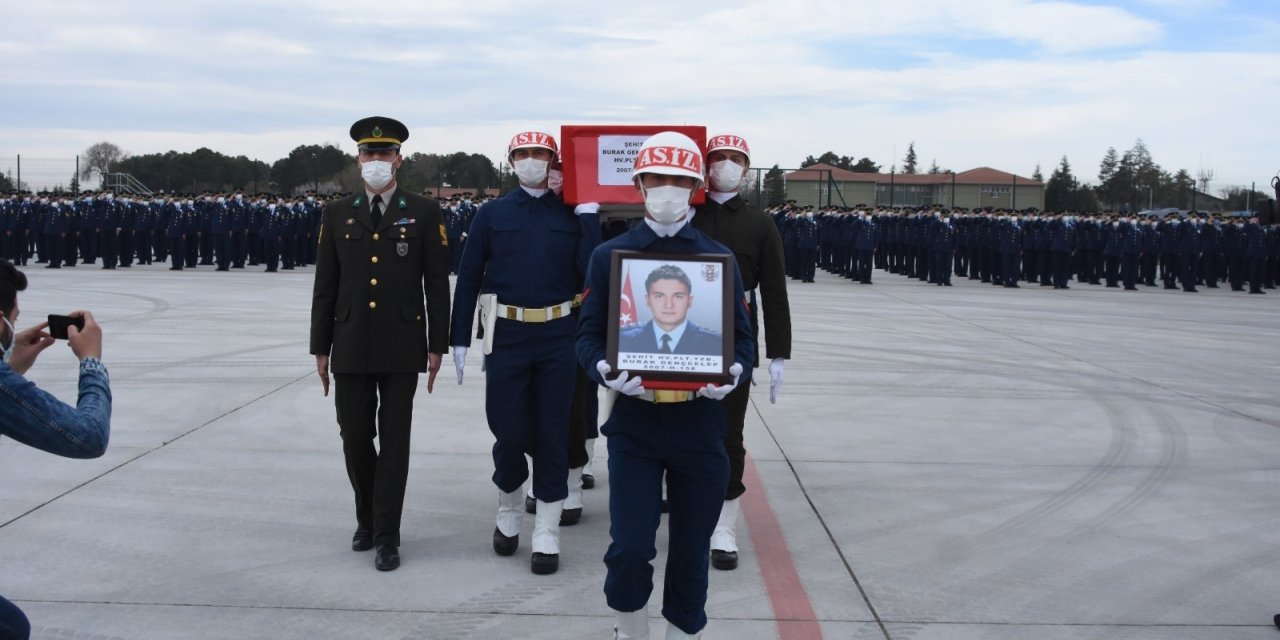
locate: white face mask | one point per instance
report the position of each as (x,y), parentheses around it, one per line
(13,339)
(376,173)
(726,175)
(531,171)
(555,182)
(667,204)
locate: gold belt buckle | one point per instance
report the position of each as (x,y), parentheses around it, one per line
(662,396)
(535,315)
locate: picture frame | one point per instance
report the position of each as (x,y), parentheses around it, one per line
(673,336)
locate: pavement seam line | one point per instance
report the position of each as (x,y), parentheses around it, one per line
(795,474)
(150,451)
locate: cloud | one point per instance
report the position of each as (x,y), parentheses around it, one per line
(979,82)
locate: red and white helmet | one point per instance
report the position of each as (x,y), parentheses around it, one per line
(532,138)
(728,142)
(669,153)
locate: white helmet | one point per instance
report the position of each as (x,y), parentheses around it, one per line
(532,138)
(728,142)
(669,153)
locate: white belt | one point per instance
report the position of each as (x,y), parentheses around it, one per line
(538,314)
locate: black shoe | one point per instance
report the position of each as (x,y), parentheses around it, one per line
(387,558)
(504,546)
(530,504)
(362,540)
(665,506)
(570,517)
(588,481)
(724,560)
(1277,620)
(544,563)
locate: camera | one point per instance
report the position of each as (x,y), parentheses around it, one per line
(58,325)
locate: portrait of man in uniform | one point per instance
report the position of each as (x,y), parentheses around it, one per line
(670,315)
(668,294)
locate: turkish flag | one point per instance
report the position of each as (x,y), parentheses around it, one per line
(626,302)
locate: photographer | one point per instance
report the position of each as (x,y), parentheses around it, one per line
(31,415)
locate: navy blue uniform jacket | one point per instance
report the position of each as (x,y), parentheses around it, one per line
(593,321)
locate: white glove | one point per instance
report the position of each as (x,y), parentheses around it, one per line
(718,393)
(775,379)
(587,207)
(627,386)
(459,360)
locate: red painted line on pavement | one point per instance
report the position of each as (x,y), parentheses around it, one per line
(791,606)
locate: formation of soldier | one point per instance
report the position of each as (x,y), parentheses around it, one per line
(1005,247)
(224,230)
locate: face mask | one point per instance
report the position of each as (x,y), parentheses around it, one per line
(310,199)
(13,339)
(531,171)
(555,182)
(726,175)
(667,204)
(376,173)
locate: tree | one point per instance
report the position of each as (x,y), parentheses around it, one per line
(6,183)
(308,166)
(909,162)
(865,165)
(933,167)
(1239,198)
(75,184)
(1064,192)
(100,158)
(1037,175)
(775,189)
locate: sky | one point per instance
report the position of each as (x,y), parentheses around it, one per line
(1009,84)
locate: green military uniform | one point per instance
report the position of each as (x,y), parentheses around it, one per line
(380,305)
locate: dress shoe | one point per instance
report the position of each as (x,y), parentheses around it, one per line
(544,563)
(503,545)
(588,481)
(387,558)
(361,540)
(570,517)
(724,560)
(530,504)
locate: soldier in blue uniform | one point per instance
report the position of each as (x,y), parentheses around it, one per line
(1256,254)
(530,251)
(944,245)
(173,224)
(1130,252)
(651,433)
(1061,245)
(1189,253)
(1011,242)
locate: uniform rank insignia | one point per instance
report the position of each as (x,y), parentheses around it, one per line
(444,238)
(402,249)
(403,204)
(406,221)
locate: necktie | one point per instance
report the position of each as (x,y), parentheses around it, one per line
(376,210)
(666,344)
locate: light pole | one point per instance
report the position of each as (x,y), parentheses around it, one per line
(1150,196)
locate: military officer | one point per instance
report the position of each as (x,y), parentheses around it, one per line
(379,317)
(729,219)
(529,251)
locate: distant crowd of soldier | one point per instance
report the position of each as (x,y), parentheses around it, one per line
(1004,247)
(223,230)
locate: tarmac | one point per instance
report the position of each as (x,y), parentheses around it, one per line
(964,463)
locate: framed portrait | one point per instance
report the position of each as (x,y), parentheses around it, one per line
(672,318)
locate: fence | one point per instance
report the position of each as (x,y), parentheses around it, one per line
(45,174)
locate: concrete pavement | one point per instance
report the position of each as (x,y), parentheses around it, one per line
(965,462)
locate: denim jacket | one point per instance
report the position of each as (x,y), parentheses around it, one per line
(33,417)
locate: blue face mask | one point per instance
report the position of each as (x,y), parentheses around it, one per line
(13,339)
